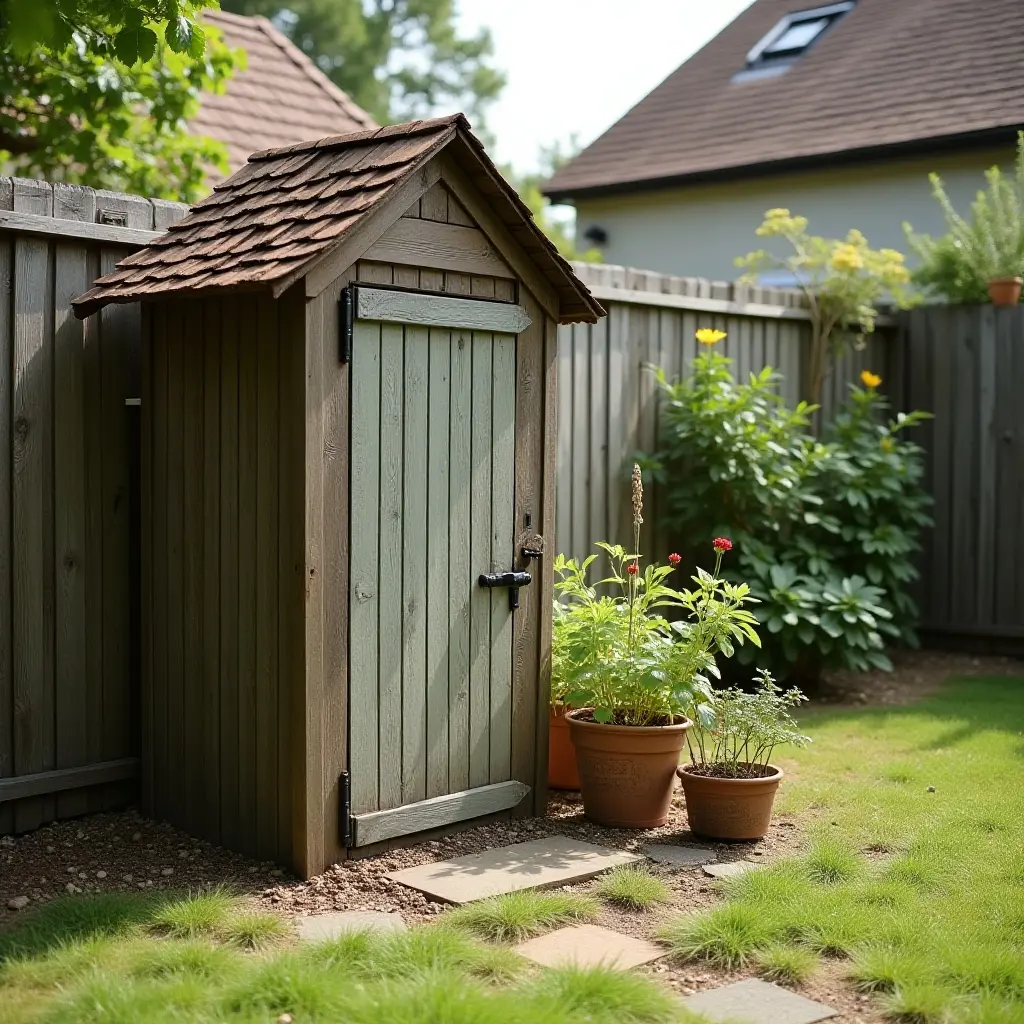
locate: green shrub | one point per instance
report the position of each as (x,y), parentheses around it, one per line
(988,244)
(824,529)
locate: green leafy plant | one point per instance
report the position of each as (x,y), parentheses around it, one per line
(988,244)
(843,281)
(735,733)
(620,655)
(825,529)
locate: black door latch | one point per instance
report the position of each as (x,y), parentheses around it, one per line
(512,580)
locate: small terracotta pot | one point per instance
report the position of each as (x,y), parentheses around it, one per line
(562,771)
(627,772)
(1005,291)
(729,808)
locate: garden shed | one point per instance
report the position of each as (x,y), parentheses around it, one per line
(348,459)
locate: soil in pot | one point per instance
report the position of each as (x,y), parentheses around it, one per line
(729,808)
(562,771)
(1005,291)
(627,773)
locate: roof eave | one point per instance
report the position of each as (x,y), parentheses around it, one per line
(736,172)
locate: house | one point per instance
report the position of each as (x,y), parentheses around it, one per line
(837,111)
(279,98)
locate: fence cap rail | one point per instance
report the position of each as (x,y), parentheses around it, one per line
(38,224)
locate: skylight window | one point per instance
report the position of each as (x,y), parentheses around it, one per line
(794,34)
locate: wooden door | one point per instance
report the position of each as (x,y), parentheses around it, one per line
(432,508)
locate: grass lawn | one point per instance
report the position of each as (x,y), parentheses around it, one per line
(914,880)
(915,875)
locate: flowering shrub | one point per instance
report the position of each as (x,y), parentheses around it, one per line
(621,655)
(824,530)
(843,280)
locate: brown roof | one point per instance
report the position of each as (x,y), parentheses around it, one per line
(890,73)
(290,208)
(281,97)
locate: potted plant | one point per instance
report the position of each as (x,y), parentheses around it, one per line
(630,672)
(562,771)
(1005,291)
(730,782)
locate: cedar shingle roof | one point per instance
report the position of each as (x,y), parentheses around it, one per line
(288,209)
(281,97)
(890,73)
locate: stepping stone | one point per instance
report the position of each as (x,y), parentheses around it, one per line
(731,869)
(541,863)
(680,856)
(757,1002)
(320,927)
(587,945)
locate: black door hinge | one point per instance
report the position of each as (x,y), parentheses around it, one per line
(348,318)
(345,809)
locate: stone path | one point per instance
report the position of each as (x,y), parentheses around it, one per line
(756,1002)
(321,927)
(731,869)
(554,861)
(588,945)
(680,856)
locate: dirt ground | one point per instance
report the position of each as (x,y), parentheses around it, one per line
(126,852)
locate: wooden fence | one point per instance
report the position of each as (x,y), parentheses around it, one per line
(608,402)
(68,635)
(966,364)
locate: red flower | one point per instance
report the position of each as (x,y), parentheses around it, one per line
(674,559)
(722,544)
(632,569)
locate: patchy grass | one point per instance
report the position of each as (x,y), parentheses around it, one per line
(203,913)
(520,915)
(934,928)
(600,995)
(253,929)
(633,887)
(788,965)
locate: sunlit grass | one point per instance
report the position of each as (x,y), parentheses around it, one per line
(518,915)
(633,887)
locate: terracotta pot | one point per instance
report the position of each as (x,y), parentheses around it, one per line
(1005,291)
(562,772)
(729,808)
(626,772)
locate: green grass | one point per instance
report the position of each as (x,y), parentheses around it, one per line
(633,887)
(520,915)
(787,965)
(933,928)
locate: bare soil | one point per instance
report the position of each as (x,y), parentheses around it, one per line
(126,852)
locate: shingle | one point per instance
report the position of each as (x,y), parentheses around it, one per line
(891,72)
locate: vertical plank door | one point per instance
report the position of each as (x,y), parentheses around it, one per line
(432,502)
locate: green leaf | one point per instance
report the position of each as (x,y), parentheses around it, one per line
(135,44)
(184,36)
(603,715)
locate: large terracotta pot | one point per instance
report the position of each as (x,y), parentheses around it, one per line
(562,773)
(1005,291)
(729,808)
(626,772)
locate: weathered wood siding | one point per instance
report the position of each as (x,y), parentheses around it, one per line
(68,495)
(608,400)
(965,364)
(222,460)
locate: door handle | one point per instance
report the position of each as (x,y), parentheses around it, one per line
(512,580)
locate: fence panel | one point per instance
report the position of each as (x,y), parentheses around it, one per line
(608,401)
(68,578)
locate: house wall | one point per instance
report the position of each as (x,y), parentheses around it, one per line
(222,585)
(699,230)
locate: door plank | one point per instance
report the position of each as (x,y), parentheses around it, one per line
(439,310)
(503,442)
(480,561)
(459,561)
(390,554)
(414,566)
(363,595)
(437,562)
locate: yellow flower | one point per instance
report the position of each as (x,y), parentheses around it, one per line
(869,379)
(847,257)
(887,445)
(708,336)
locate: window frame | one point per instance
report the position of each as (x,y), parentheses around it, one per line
(759,56)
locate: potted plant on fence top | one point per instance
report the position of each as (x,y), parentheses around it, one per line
(630,673)
(730,783)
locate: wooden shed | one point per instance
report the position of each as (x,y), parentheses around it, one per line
(348,415)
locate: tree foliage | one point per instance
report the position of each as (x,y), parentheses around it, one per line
(989,244)
(99,92)
(397,59)
(844,280)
